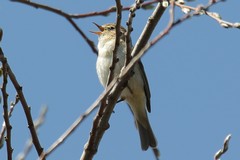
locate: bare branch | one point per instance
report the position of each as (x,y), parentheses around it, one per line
(23,101)
(224,149)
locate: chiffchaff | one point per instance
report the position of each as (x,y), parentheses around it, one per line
(137,93)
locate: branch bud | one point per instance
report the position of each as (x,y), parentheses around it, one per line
(225,25)
(165,3)
(186,10)
(236,25)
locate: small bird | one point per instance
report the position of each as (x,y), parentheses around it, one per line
(137,93)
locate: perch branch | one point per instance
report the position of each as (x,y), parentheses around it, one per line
(117,40)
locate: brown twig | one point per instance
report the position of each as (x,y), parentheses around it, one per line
(131,15)
(23,101)
(77,16)
(5,107)
(110,10)
(117,40)
(224,149)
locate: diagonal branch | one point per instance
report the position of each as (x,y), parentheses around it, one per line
(148,29)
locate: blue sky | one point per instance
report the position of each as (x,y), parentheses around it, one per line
(193,75)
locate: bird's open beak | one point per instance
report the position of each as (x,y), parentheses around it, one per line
(100,28)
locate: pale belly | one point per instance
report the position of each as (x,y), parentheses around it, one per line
(135,84)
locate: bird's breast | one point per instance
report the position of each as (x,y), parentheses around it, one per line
(104,61)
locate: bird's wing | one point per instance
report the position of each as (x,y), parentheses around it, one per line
(146,86)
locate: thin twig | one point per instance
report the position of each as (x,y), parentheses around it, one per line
(131,15)
(5,107)
(110,10)
(85,15)
(117,40)
(224,149)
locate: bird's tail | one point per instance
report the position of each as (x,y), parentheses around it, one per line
(147,138)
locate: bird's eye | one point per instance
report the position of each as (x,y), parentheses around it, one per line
(111,28)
